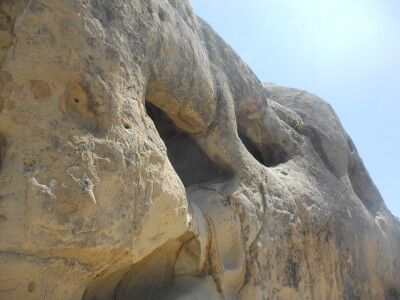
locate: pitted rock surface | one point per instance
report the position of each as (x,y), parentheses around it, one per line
(141,158)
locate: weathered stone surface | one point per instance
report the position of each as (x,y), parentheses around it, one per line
(141,158)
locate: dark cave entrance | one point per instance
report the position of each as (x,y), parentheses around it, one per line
(272,155)
(189,161)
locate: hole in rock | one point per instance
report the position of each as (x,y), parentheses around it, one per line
(127,125)
(189,161)
(272,154)
(81,107)
(161,14)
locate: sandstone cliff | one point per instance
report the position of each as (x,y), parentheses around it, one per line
(142,159)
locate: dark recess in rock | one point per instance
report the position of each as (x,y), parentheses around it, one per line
(189,161)
(3,146)
(392,294)
(292,273)
(271,156)
(161,14)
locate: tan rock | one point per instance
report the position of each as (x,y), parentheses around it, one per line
(141,158)
(40,89)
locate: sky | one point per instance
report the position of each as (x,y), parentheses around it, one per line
(347,52)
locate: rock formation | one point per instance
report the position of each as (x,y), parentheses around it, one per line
(141,158)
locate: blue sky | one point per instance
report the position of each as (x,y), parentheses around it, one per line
(347,52)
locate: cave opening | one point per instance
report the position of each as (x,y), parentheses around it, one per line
(189,161)
(272,154)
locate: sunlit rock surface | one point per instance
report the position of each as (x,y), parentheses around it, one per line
(141,158)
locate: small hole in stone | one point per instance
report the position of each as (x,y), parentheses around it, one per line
(31,287)
(76,100)
(161,14)
(127,125)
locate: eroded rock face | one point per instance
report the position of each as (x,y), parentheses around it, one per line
(142,159)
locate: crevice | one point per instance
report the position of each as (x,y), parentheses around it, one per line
(1,103)
(189,161)
(272,154)
(350,142)
(3,146)
(363,186)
